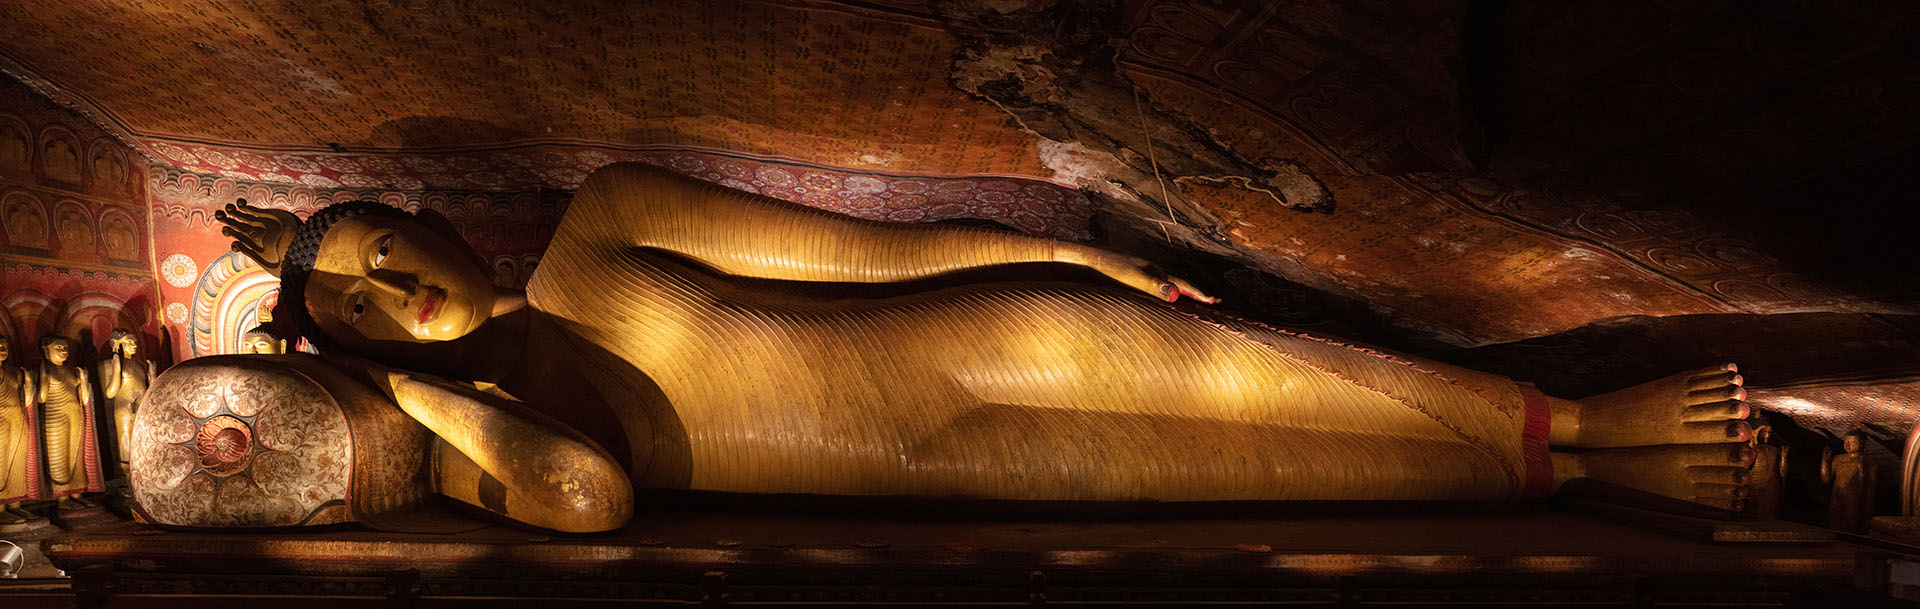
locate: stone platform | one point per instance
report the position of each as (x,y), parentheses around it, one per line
(691,555)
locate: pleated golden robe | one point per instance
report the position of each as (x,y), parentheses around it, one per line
(20,451)
(1038,391)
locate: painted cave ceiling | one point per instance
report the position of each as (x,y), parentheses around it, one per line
(1586,194)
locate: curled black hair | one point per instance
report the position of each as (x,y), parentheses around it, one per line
(304,250)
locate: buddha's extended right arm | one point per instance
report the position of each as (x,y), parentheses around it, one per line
(499,455)
(756,236)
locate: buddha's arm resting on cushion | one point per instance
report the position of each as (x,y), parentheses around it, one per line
(756,236)
(500,455)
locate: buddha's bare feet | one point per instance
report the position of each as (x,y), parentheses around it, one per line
(1709,474)
(1698,407)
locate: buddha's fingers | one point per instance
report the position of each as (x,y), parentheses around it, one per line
(1182,287)
(240,237)
(233,214)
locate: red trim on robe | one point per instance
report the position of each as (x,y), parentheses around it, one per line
(1538,424)
(95,482)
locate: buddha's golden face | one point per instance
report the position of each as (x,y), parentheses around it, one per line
(5,350)
(128,347)
(391,279)
(56,353)
(261,343)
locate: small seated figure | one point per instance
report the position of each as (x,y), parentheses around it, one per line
(19,440)
(676,335)
(1850,508)
(124,377)
(65,396)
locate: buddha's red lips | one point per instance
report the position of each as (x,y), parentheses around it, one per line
(431,304)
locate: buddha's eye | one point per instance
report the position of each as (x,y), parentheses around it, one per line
(381,250)
(356,306)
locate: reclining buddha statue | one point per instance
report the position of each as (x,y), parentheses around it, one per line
(681,335)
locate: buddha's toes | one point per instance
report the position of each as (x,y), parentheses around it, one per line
(1710,474)
(1705,406)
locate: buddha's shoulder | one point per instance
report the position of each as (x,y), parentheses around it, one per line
(625,185)
(579,277)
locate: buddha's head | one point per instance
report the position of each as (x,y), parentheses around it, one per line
(6,349)
(123,343)
(357,273)
(259,341)
(56,349)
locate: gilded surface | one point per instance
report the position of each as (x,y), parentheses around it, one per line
(67,427)
(690,336)
(19,436)
(1016,391)
(124,378)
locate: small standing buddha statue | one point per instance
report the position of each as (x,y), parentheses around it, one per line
(1851,505)
(19,440)
(66,406)
(124,377)
(1767,489)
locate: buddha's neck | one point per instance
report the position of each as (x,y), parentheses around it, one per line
(489,354)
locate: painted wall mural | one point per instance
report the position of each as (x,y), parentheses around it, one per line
(1030,205)
(73,229)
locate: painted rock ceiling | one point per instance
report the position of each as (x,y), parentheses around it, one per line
(1583,194)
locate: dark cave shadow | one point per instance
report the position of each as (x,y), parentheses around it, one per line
(1771,350)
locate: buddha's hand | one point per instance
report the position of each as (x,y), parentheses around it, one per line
(258,233)
(1133,272)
